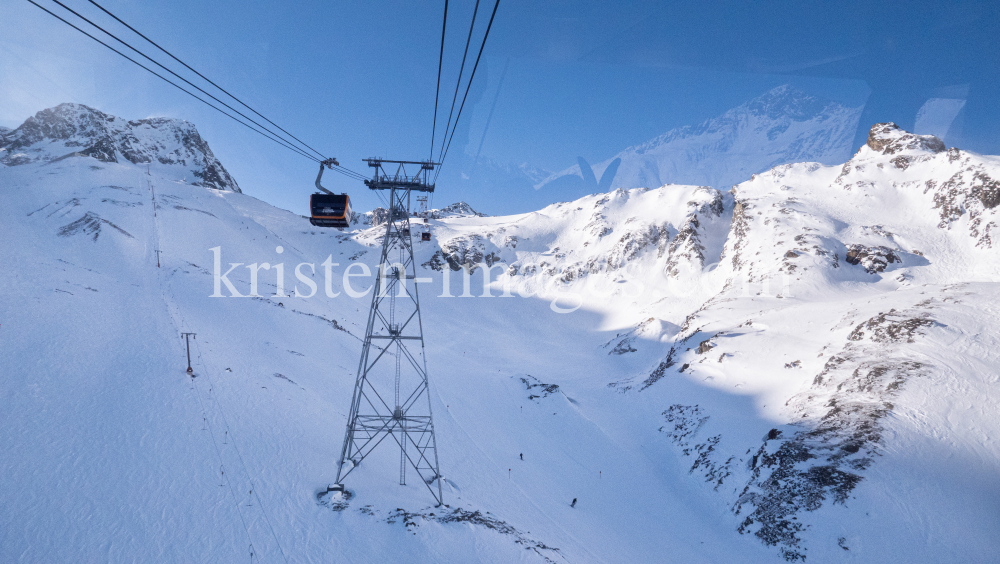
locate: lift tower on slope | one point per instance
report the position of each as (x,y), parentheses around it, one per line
(391,395)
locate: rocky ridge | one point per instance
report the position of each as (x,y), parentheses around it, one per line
(75,130)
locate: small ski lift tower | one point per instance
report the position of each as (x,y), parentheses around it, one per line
(391,396)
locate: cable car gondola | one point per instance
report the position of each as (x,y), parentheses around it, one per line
(329,209)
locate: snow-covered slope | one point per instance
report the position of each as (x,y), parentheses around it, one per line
(802,367)
(781,126)
(172,147)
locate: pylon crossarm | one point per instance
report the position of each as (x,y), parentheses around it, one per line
(395,338)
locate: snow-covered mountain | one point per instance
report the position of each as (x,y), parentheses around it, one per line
(172,146)
(380,215)
(781,126)
(804,366)
(458,209)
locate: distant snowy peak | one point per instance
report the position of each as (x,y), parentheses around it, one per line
(781,126)
(75,130)
(457,209)
(380,215)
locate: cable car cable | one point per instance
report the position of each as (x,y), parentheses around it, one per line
(469,85)
(437,92)
(161,77)
(458,85)
(349,173)
(195,86)
(273,136)
(204,77)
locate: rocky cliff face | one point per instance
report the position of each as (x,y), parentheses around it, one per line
(75,130)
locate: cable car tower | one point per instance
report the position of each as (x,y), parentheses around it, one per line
(391,395)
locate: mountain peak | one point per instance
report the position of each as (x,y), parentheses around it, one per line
(783,125)
(787,101)
(889,139)
(78,130)
(456,209)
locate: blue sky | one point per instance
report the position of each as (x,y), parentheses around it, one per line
(584,79)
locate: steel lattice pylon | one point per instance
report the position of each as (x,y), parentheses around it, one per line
(391,395)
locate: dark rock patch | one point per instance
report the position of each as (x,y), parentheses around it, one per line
(90,224)
(873,259)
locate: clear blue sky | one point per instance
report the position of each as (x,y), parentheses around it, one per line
(356,79)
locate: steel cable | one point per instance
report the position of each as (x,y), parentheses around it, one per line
(458,84)
(468,86)
(182,89)
(437,92)
(119,20)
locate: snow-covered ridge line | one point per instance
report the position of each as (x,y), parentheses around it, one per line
(782,126)
(71,130)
